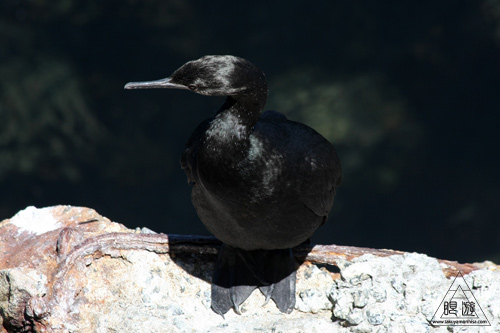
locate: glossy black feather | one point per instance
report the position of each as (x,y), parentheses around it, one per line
(273,196)
(261,183)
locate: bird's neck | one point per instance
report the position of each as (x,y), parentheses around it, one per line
(226,142)
(235,120)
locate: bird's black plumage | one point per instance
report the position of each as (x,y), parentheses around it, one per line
(261,183)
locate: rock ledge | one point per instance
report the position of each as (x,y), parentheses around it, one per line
(67,268)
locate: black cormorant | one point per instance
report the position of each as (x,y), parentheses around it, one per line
(261,184)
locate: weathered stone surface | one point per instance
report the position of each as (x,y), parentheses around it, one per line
(69,269)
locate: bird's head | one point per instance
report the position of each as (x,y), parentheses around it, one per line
(213,75)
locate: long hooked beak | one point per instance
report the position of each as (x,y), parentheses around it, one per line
(163,83)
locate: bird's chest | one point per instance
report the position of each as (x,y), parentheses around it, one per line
(240,170)
(220,164)
(222,152)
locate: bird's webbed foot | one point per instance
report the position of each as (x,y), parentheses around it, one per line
(232,281)
(282,276)
(238,272)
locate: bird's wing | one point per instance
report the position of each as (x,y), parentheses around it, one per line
(322,167)
(319,171)
(313,168)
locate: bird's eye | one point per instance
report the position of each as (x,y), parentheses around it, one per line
(192,86)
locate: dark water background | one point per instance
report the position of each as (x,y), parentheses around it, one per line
(409,92)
